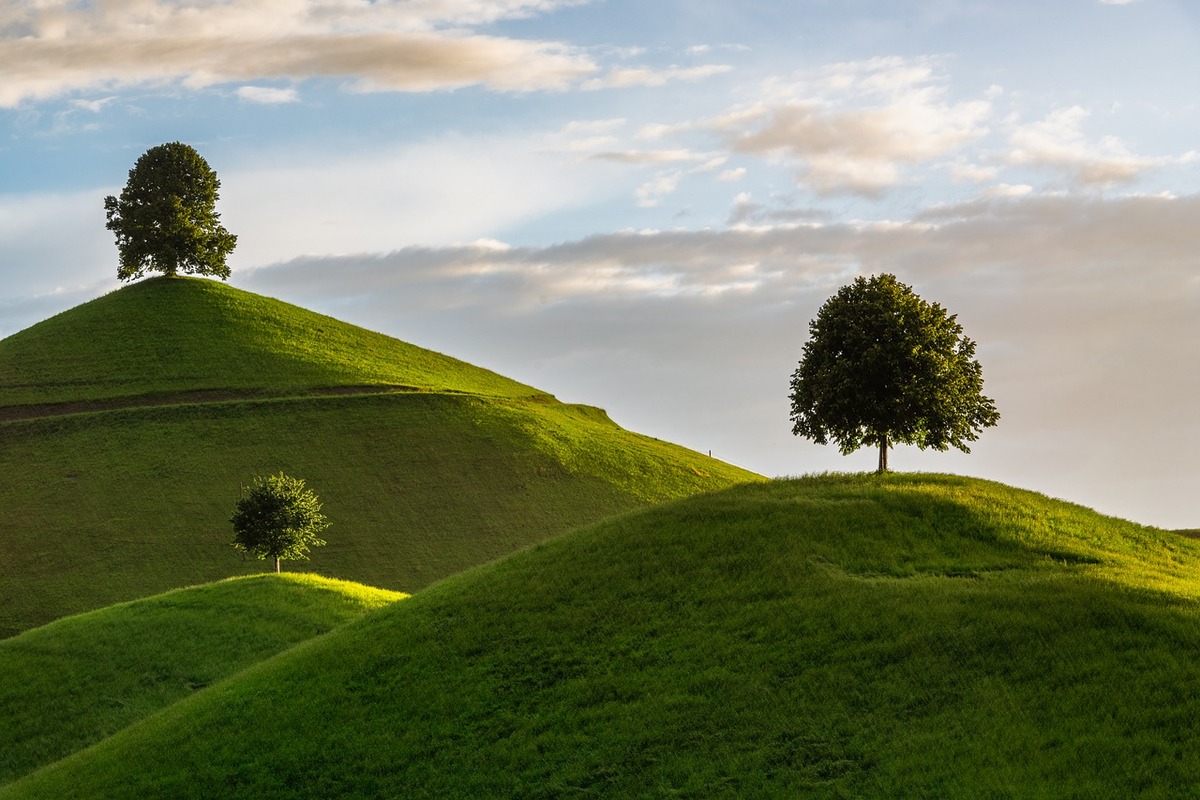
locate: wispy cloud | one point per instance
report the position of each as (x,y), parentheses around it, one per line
(1058,142)
(852,127)
(49,49)
(267,95)
(626,77)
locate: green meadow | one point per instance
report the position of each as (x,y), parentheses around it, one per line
(111,504)
(838,636)
(77,681)
(593,612)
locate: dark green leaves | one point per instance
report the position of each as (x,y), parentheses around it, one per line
(278,518)
(882,365)
(165,219)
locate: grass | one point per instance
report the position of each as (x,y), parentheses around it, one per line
(79,680)
(105,507)
(111,505)
(837,636)
(169,335)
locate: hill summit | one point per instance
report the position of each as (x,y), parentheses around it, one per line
(130,423)
(165,336)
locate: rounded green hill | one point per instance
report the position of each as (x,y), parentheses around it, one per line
(128,426)
(165,336)
(897,636)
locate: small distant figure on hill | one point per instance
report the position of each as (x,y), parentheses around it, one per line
(881,366)
(277,517)
(166,220)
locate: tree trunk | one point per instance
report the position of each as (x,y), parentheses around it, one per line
(277,563)
(883,448)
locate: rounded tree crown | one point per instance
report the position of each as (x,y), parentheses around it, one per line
(165,219)
(881,366)
(278,517)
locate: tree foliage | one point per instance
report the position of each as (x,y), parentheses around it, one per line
(166,220)
(277,517)
(882,366)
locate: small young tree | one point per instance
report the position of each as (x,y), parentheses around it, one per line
(277,517)
(881,366)
(166,220)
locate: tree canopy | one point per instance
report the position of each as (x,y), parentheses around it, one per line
(883,366)
(166,220)
(278,518)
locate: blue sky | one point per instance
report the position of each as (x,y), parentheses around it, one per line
(640,205)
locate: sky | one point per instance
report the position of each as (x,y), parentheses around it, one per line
(641,204)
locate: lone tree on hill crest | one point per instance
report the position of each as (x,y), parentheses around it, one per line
(166,220)
(883,366)
(278,518)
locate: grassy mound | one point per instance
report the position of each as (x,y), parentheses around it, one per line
(124,502)
(171,335)
(903,636)
(106,507)
(81,679)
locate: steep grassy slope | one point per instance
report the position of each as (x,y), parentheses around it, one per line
(167,335)
(908,636)
(112,505)
(81,679)
(99,508)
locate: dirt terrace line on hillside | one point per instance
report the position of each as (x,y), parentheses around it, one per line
(39,410)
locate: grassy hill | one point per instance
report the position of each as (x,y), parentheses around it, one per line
(184,389)
(81,679)
(166,336)
(904,636)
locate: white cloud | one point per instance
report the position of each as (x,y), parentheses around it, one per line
(643,157)
(267,95)
(851,127)
(651,193)
(94,106)
(1008,190)
(1058,143)
(731,175)
(626,77)
(52,49)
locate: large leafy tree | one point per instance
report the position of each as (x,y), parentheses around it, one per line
(278,518)
(883,366)
(166,220)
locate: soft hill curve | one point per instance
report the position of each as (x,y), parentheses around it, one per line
(129,424)
(164,336)
(905,636)
(79,680)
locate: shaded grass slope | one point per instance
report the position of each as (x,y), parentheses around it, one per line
(171,335)
(129,424)
(903,636)
(79,680)
(105,507)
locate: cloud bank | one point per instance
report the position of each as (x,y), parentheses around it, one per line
(53,48)
(1062,294)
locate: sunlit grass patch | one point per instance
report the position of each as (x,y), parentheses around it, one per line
(81,679)
(844,636)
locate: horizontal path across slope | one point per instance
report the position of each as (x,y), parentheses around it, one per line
(199,396)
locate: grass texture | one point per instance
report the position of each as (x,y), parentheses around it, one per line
(115,503)
(106,507)
(828,637)
(79,680)
(170,335)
